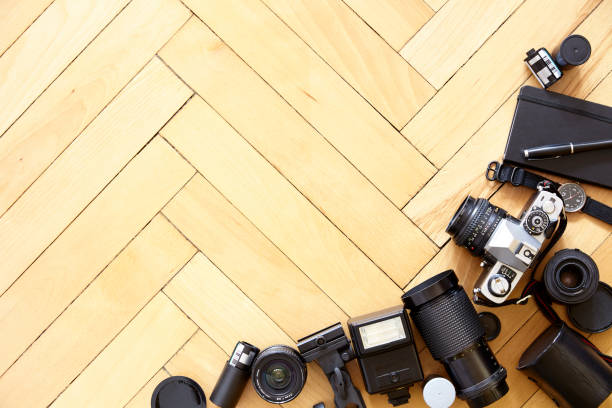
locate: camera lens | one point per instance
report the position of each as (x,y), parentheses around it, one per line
(571,276)
(447,320)
(279,374)
(473,224)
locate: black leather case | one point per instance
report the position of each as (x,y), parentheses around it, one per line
(542,117)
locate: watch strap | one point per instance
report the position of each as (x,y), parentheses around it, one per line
(516,176)
(598,210)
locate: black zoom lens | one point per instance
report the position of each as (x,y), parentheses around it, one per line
(473,224)
(447,320)
(279,374)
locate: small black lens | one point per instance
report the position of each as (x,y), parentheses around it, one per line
(571,276)
(474,223)
(447,320)
(279,374)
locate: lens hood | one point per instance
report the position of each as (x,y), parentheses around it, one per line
(430,289)
(571,276)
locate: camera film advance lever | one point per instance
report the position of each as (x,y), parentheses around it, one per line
(331,349)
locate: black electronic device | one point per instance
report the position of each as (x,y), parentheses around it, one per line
(565,367)
(447,320)
(386,352)
(279,374)
(178,392)
(331,349)
(574,50)
(508,246)
(234,376)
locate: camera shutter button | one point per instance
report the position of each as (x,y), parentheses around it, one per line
(548,206)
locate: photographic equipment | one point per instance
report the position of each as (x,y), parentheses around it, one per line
(565,149)
(508,246)
(234,376)
(178,392)
(279,374)
(567,369)
(491,324)
(438,392)
(571,276)
(574,50)
(386,353)
(330,348)
(447,320)
(594,315)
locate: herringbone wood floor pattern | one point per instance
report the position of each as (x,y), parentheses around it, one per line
(179,175)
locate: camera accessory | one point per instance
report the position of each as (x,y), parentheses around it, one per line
(319,405)
(507,246)
(491,324)
(438,392)
(594,315)
(178,392)
(234,376)
(330,348)
(447,320)
(386,353)
(567,368)
(571,276)
(574,50)
(279,374)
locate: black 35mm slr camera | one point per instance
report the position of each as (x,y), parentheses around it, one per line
(508,246)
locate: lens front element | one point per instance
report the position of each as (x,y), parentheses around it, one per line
(279,374)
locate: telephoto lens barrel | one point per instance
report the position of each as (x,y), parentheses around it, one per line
(447,320)
(235,375)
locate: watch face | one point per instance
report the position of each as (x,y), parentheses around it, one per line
(573,195)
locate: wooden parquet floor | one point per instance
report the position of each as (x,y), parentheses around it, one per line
(179,175)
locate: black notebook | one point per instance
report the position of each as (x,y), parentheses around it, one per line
(543,117)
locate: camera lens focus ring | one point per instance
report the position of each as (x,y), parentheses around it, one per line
(474,223)
(279,374)
(448,324)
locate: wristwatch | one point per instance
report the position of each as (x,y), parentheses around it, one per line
(574,196)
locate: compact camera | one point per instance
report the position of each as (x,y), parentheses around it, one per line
(508,246)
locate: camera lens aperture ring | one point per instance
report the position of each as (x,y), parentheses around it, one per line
(448,324)
(279,374)
(474,223)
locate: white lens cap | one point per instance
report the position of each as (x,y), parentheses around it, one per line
(439,393)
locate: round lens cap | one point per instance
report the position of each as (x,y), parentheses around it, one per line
(439,393)
(575,49)
(594,315)
(430,289)
(491,324)
(178,392)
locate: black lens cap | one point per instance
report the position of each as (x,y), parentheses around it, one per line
(178,392)
(575,50)
(491,324)
(594,315)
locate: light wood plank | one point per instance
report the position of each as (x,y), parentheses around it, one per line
(203,360)
(319,94)
(475,92)
(46,48)
(360,56)
(96,316)
(100,152)
(311,164)
(261,271)
(453,35)
(151,339)
(220,309)
(436,4)
(143,398)
(88,245)
(394,20)
(16,17)
(81,92)
(269,201)
(444,192)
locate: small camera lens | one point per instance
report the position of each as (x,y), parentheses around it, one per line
(571,276)
(279,374)
(474,223)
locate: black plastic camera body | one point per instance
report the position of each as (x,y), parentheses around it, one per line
(387,356)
